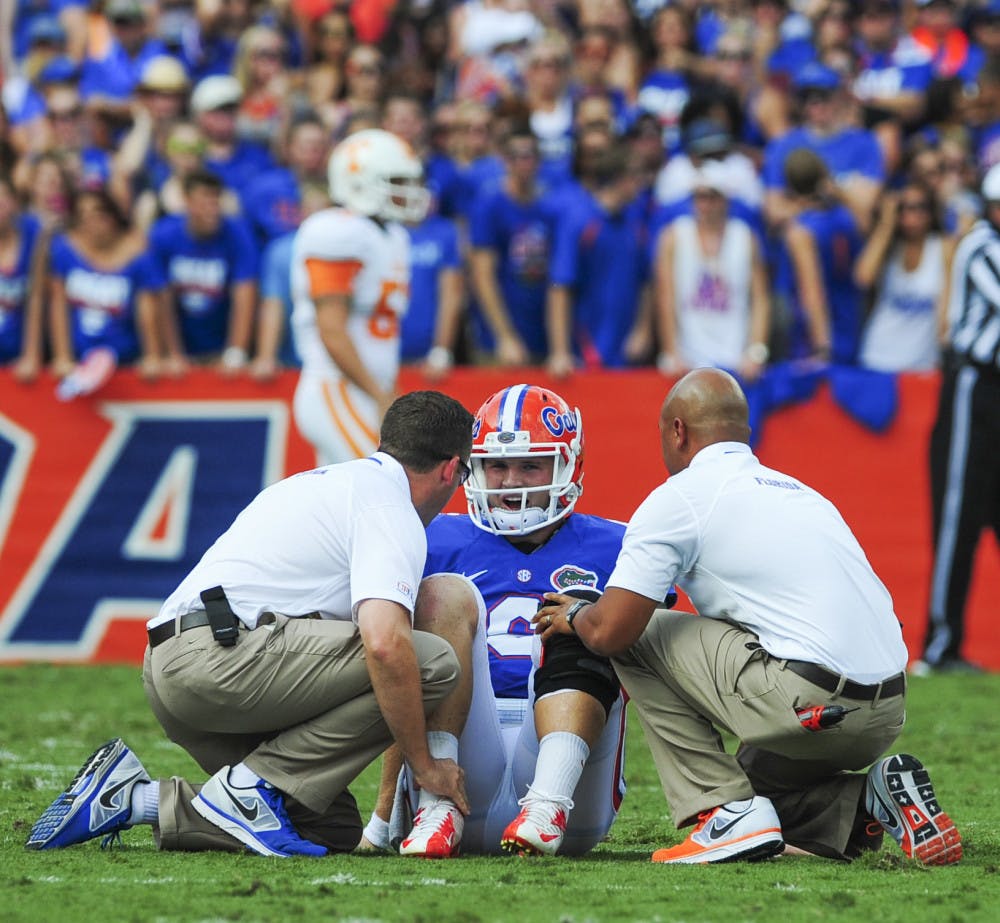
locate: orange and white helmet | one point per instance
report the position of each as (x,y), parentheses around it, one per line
(526,421)
(375,173)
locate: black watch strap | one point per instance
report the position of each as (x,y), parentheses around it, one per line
(574,610)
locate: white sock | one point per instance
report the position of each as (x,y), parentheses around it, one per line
(561,758)
(145,804)
(377,832)
(242,776)
(442,746)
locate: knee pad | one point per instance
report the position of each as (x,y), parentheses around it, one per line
(568,664)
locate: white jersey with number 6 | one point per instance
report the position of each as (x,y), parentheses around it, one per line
(337,252)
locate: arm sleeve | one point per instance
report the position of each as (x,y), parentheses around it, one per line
(388,550)
(660,544)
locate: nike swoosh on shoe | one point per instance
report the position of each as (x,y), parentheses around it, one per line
(106,800)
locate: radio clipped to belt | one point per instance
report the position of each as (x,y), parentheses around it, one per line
(222,619)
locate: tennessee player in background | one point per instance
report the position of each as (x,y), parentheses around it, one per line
(350,286)
(539,738)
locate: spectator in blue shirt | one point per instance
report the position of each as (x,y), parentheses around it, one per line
(432,324)
(112,80)
(598,308)
(816,271)
(214,105)
(272,204)
(852,155)
(102,288)
(22,21)
(206,266)
(667,85)
(20,286)
(893,71)
(510,232)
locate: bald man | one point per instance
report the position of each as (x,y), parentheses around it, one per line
(796,651)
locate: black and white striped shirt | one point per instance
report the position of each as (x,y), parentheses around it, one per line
(974,299)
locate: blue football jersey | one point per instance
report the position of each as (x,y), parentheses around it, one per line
(581,553)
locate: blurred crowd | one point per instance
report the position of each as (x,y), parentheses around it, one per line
(615,182)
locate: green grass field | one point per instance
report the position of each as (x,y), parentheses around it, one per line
(52,718)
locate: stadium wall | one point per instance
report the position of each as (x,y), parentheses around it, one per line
(106,502)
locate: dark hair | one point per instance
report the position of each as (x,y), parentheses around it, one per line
(202,178)
(804,171)
(109,205)
(423,428)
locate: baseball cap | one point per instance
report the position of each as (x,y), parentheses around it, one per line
(991,184)
(46,29)
(216,92)
(816,76)
(165,74)
(124,9)
(705,137)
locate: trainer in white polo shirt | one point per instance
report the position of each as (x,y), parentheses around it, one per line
(354,525)
(293,654)
(796,651)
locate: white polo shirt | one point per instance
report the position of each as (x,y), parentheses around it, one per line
(754,546)
(320,541)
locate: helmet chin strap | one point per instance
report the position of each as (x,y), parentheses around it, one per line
(516,521)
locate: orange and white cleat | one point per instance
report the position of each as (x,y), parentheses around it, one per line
(899,795)
(739,830)
(538,830)
(437,832)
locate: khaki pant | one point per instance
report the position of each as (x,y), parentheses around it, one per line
(293,700)
(689,675)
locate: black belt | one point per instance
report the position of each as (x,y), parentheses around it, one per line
(822,677)
(167,630)
(199,619)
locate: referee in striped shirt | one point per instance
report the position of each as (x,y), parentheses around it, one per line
(964,465)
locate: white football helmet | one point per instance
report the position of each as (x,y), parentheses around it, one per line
(375,173)
(526,421)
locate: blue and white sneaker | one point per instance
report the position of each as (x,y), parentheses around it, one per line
(98,801)
(256,816)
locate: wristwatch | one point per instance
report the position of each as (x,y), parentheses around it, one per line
(573,611)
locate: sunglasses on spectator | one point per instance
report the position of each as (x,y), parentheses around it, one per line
(66,115)
(367,70)
(269,54)
(124,22)
(732,55)
(333,32)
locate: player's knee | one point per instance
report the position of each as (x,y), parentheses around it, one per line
(446,602)
(568,665)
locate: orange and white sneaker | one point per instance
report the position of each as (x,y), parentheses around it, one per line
(538,830)
(437,831)
(739,830)
(899,795)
